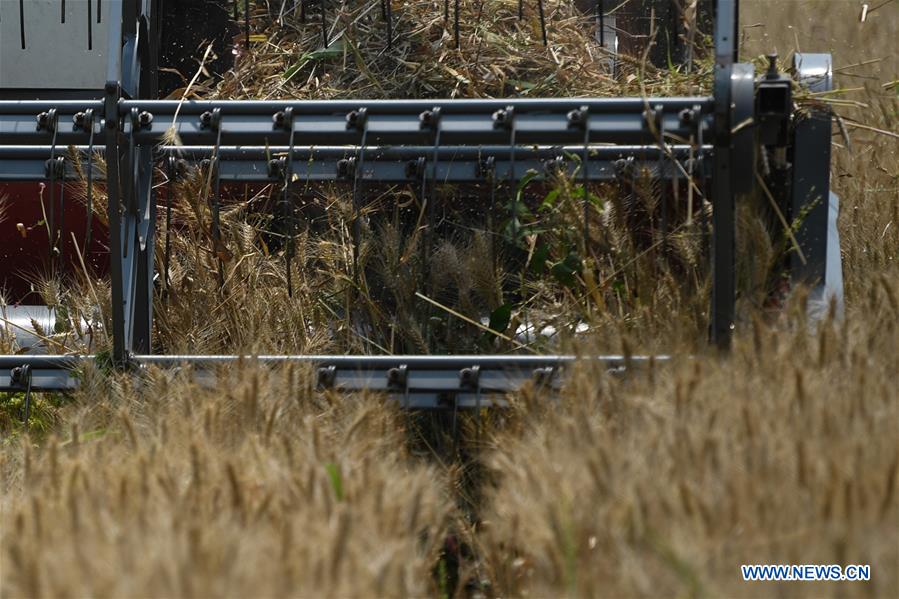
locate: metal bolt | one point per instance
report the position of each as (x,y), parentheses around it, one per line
(276,167)
(555,164)
(502,118)
(144,119)
(468,377)
(543,376)
(487,166)
(577,117)
(326,375)
(355,119)
(16,375)
(772,66)
(429,118)
(43,121)
(206,119)
(413,168)
(397,375)
(346,167)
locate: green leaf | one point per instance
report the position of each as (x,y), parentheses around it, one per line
(500,318)
(334,50)
(524,85)
(566,270)
(523,182)
(539,259)
(333,471)
(550,200)
(594,199)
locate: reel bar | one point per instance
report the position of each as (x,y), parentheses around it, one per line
(417,382)
(390,164)
(385,122)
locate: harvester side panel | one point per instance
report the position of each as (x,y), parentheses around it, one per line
(40,51)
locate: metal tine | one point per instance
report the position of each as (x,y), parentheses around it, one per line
(434,161)
(389,15)
(512,124)
(89,121)
(99,12)
(62,6)
(216,199)
(62,212)
(288,205)
(433,122)
(324,24)
(456,23)
(601,13)
(542,21)
(170,197)
(585,166)
(130,193)
(663,188)
(520,10)
(491,208)
(700,157)
(51,217)
(357,175)
(27,375)
(22,22)
(477,376)
(246,25)
(90,25)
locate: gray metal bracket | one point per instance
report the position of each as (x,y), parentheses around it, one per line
(814,205)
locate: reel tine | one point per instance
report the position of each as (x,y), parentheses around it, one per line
(246,25)
(324,25)
(601,14)
(361,115)
(288,205)
(542,21)
(456,24)
(389,6)
(62,212)
(585,166)
(170,197)
(89,120)
(216,220)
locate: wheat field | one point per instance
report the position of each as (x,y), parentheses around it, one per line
(657,484)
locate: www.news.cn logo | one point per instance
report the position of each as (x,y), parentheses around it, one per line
(800,572)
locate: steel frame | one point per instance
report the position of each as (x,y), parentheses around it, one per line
(368,141)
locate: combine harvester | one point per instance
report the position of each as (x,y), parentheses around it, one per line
(91,83)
